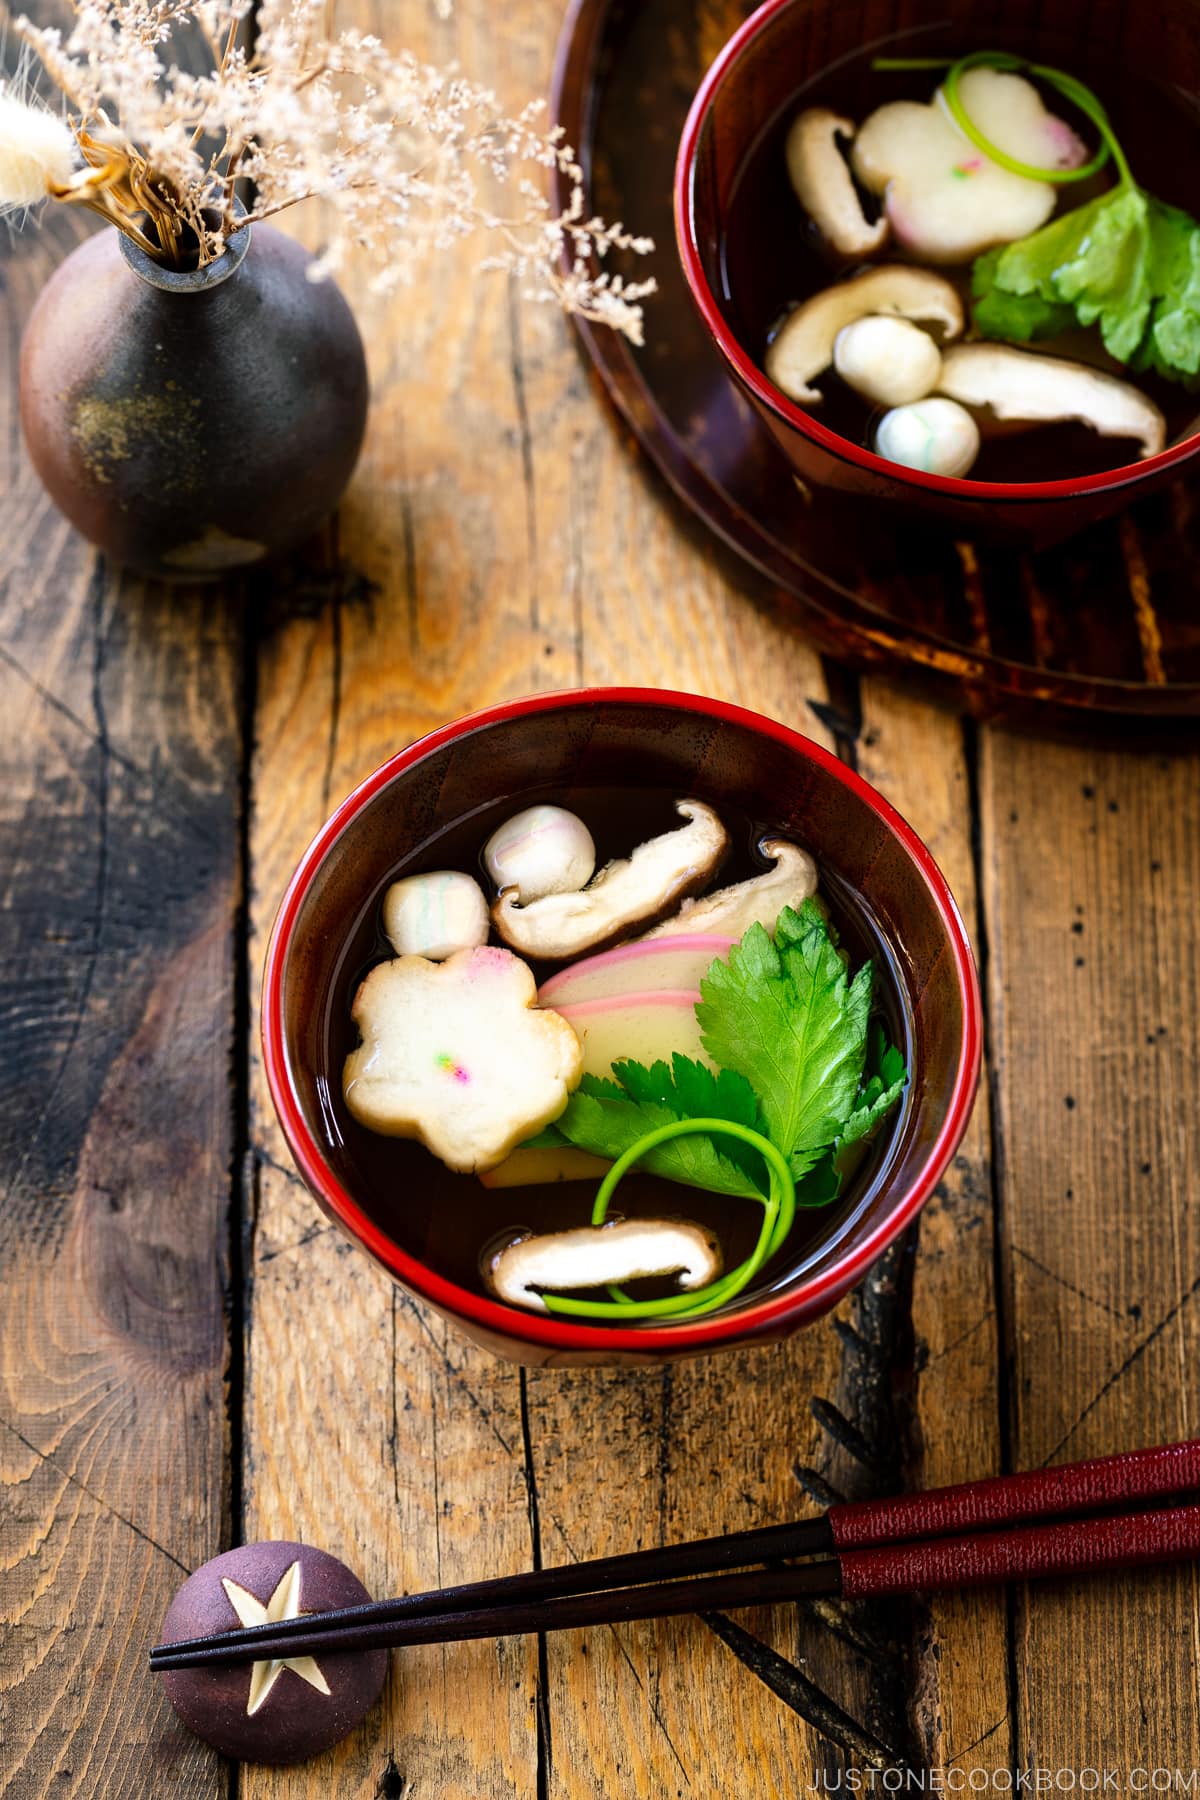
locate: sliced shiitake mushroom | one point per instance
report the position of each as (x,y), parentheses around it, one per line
(731,911)
(804,345)
(824,186)
(597,1255)
(1021,384)
(622,896)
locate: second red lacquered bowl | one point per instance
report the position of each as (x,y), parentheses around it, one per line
(550,745)
(781,50)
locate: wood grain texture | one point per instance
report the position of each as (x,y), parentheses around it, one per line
(118,846)
(1092,860)
(499,539)
(544,563)
(921,758)
(455,581)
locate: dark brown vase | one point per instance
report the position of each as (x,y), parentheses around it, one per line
(193,423)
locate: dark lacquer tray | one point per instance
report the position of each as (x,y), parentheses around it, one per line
(1108,623)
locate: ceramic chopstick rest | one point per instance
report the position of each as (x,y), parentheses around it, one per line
(278,1711)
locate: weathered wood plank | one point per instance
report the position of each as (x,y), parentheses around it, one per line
(118,847)
(1091,869)
(540,564)
(417,612)
(917,756)
(718,1441)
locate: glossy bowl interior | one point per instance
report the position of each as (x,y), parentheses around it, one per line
(789,47)
(565,744)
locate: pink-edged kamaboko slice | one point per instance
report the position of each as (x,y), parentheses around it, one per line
(645,1028)
(647,966)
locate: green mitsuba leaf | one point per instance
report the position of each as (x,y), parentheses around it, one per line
(1106,278)
(885,1077)
(691,1090)
(820,1185)
(607,1117)
(1016,318)
(1172,344)
(608,1127)
(787,1017)
(800,1061)
(870,1107)
(1124,262)
(548,1138)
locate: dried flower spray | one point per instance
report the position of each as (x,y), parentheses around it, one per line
(408,159)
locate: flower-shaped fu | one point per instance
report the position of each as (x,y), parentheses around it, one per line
(459,1055)
(945,199)
(283,1604)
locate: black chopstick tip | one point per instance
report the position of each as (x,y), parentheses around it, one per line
(878,1540)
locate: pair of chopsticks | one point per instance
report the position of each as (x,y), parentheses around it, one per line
(1074,1520)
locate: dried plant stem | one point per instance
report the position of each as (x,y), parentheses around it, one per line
(100,201)
(403,156)
(229,211)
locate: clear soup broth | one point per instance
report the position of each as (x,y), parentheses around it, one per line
(447,1220)
(772,256)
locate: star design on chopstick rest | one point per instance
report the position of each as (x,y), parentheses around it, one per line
(283,1604)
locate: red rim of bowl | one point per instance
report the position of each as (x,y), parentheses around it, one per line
(770,396)
(511,1322)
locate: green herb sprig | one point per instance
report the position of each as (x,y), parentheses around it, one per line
(779,1211)
(1125,262)
(804,1075)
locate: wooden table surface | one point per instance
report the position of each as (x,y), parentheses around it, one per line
(190,1356)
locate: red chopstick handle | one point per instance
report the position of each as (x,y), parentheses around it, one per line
(1012,1499)
(1070,1547)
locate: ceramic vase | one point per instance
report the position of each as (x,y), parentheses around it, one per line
(192,423)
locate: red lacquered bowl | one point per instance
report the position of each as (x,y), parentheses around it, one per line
(604,738)
(778,51)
